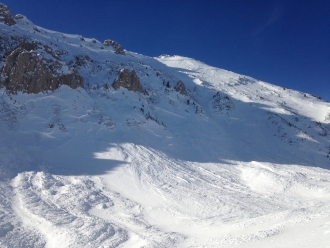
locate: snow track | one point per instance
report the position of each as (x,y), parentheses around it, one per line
(154,200)
(58,209)
(74,212)
(228,204)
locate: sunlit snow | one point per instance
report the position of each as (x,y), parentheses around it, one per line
(234,163)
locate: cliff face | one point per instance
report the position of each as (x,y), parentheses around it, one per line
(30,68)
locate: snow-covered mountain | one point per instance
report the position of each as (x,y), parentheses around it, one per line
(103,147)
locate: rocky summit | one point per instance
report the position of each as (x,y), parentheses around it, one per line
(118,48)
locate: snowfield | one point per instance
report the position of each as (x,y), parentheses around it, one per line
(233,162)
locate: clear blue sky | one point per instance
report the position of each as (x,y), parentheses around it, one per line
(286,43)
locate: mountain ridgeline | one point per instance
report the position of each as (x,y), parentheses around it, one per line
(36,60)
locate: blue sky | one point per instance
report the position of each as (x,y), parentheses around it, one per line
(285,43)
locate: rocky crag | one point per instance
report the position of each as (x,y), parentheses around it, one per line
(30,71)
(30,66)
(117,47)
(6,16)
(129,80)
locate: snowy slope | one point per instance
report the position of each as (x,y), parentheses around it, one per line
(233,162)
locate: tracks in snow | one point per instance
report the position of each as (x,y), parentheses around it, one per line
(229,204)
(57,207)
(79,212)
(156,201)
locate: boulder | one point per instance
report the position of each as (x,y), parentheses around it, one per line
(129,80)
(26,71)
(6,16)
(116,46)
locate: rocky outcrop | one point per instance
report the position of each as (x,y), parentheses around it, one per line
(28,71)
(222,104)
(129,80)
(19,17)
(6,16)
(82,60)
(181,88)
(116,46)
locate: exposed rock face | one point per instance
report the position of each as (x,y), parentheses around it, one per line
(28,71)
(129,80)
(181,88)
(6,16)
(82,60)
(19,17)
(118,48)
(222,103)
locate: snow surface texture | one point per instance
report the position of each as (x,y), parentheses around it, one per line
(235,162)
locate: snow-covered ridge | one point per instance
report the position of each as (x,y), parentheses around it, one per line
(229,161)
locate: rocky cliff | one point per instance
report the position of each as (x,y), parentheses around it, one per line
(30,68)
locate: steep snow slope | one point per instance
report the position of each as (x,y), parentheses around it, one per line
(231,162)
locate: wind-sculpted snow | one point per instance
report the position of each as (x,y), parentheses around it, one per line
(75,212)
(58,209)
(201,157)
(258,200)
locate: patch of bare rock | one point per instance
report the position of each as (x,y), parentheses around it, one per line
(129,80)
